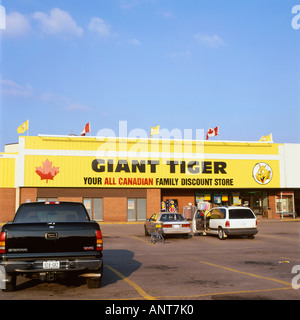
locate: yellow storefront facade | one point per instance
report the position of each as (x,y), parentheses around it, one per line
(127,179)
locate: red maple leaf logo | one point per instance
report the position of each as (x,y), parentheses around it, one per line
(47,172)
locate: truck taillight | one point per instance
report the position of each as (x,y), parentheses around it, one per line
(227,224)
(2,242)
(186,225)
(167,226)
(99,240)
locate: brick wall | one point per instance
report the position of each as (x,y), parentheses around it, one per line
(7,204)
(115,209)
(73,199)
(153,201)
(28,194)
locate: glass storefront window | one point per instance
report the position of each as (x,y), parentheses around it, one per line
(94,207)
(255,200)
(136,209)
(285,202)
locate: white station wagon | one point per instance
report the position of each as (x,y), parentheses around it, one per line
(226,221)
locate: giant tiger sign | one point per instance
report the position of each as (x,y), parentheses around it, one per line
(110,172)
(94,162)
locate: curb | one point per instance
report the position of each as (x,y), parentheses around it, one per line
(279,220)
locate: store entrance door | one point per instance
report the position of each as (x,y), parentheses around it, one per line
(257,205)
(136,209)
(245,201)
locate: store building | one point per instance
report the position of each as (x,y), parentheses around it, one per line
(127,179)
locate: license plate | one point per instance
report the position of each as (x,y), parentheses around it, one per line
(176,226)
(51,264)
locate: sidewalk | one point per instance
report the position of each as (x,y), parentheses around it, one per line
(279,220)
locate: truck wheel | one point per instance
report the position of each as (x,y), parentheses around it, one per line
(10,285)
(221,234)
(146,232)
(95,282)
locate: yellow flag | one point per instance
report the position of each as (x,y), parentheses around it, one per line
(154,130)
(23,127)
(266,138)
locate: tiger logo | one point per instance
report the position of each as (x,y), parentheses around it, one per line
(262,173)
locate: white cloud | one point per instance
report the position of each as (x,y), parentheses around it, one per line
(128,4)
(99,26)
(182,54)
(135,42)
(16,25)
(58,22)
(77,107)
(165,14)
(209,41)
(13,89)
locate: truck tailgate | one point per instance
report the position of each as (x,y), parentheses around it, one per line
(51,237)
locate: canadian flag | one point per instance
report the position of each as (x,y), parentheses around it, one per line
(212,132)
(86,129)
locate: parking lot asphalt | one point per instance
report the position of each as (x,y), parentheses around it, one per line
(197,268)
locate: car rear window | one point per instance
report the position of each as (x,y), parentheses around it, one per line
(40,212)
(171,217)
(241,214)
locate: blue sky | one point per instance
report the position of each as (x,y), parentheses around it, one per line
(188,64)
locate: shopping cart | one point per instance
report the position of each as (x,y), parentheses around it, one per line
(157,235)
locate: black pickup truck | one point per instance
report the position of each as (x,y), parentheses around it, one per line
(50,240)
